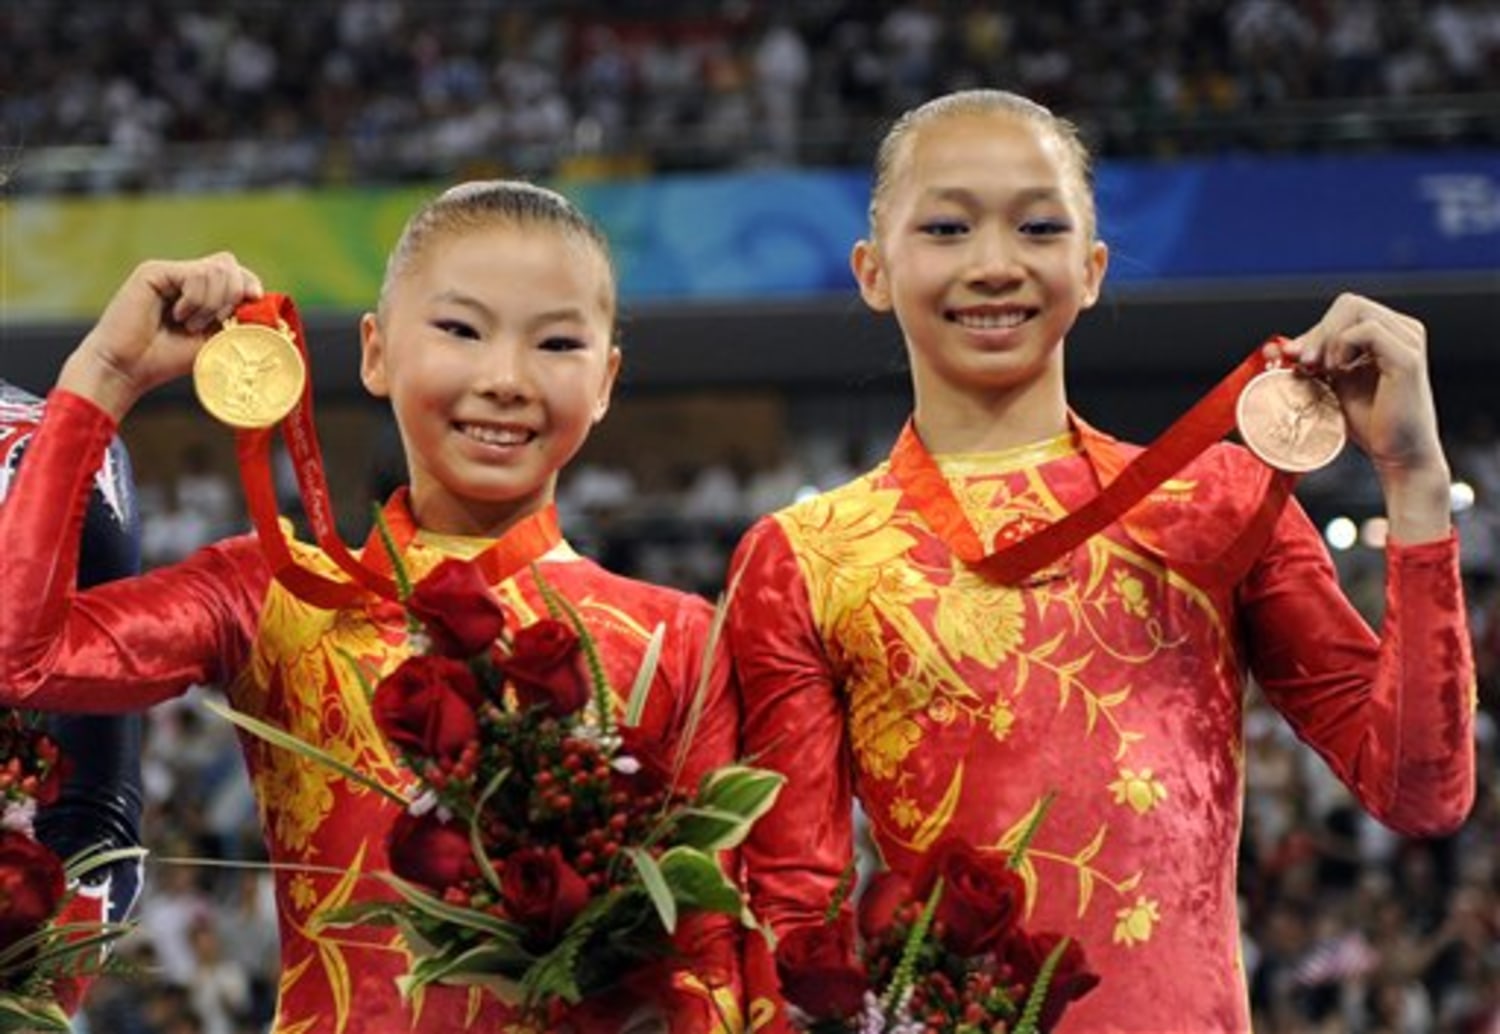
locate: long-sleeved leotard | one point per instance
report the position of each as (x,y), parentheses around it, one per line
(217,617)
(874,664)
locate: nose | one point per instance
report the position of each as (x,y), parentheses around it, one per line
(993,260)
(504,372)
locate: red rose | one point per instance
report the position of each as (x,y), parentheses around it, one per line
(55,769)
(982,899)
(541,891)
(818,972)
(457,608)
(427,706)
(1071,979)
(882,898)
(545,668)
(426,850)
(31,886)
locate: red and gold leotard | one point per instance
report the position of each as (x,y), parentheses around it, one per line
(219,618)
(875,664)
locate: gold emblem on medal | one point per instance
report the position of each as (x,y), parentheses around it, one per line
(1291,421)
(249,375)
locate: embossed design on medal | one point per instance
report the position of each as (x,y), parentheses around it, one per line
(249,375)
(1290,420)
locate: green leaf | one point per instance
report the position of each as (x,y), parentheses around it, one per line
(31,1015)
(656,886)
(361,913)
(476,839)
(841,891)
(904,976)
(604,693)
(43,947)
(505,988)
(708,829)
(1032,1013)
(366,685)
(700,691)
(697,881)
(555,974)
(640,691)
(436,908)
(426,906)
(1018,853)
(472,965)
(398,564)
(76,946)
(281,738)
(92,858)
(733,789)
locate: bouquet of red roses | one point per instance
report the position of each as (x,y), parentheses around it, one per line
(947,948)
(45,951)
(538,858)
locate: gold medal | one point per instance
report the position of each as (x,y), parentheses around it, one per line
(249,375)
(1291,421)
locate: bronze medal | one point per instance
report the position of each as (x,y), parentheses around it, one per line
(249,375)
(1291,421)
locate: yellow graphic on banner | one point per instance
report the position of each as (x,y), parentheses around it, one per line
(64,256)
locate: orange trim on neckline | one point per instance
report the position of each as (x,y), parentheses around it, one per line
(519,546)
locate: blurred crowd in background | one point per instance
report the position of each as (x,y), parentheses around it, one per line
(165,95)
(1346,926)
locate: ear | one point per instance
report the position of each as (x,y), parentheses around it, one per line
(372,356)
(1095,266)
(607,389)
(870,273)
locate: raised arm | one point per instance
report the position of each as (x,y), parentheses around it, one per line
(126,644)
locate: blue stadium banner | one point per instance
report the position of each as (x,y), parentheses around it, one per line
(780,235)
(1302,216)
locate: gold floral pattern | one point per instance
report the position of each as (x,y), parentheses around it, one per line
(1132,594)
(324,655)
(936,662)
(905,812)
(1135,923)
(303,893)
(1002,718)
(1140,790)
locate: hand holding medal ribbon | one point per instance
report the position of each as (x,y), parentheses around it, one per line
(1290,420)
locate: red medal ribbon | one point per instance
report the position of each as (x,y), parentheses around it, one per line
(526,541)
(928,491)
(521,544)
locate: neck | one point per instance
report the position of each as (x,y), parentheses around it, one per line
(472,519)
(988,425)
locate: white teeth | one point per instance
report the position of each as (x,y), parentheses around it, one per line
(990,320)
(497,435)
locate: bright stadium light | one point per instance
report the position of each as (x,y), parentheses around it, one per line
(1373,533)
(1461,496)
(1341,533)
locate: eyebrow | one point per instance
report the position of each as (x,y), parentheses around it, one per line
(563,314)
(452,297)
(963,195)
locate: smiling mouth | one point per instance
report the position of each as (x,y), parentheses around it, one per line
(497,435)
(990,320)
